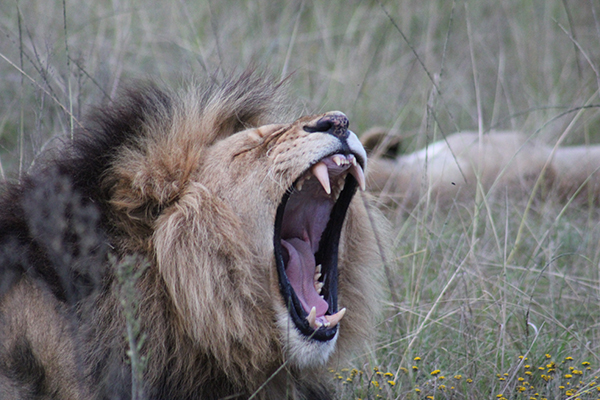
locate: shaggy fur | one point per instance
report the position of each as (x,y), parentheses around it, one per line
(451,170)
(189,182)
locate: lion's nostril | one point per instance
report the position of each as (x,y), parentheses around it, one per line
(322,125)
(334,123)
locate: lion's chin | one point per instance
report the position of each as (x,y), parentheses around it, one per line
(299,350)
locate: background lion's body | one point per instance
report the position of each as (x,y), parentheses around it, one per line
(507,162)
(149,176)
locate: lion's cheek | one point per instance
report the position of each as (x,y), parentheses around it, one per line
(212,277)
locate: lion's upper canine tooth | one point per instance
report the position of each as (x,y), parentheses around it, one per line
(332,320)
(320,171)
(357,172)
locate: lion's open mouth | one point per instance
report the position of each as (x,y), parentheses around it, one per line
(308,226)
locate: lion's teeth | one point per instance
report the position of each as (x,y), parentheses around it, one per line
(299,185)
(318,269)
(312,319)
(337,160)
(319,286)
(320,171)
(357,172)
(340,187)
(317,276)
(332,320)
(336,193)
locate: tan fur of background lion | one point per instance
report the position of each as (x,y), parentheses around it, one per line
(191,181)
(450,170)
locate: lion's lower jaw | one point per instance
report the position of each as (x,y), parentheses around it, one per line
(300,351)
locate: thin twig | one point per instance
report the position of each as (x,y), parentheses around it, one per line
(572,35)
(412,48)
(68,68)
(288,55)
(587,58)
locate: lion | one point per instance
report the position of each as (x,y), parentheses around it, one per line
(453,169)
(253,264)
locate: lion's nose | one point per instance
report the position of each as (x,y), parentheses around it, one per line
(334,123)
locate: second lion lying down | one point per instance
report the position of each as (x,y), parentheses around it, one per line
(452,170)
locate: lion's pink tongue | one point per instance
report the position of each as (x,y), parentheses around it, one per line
(300,270)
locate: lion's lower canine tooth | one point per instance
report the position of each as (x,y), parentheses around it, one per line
(335,318)
(312,318)
(320,171)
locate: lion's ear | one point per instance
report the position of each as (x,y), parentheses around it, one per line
(141,185)
(380,141)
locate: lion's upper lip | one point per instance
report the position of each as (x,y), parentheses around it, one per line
(306,244)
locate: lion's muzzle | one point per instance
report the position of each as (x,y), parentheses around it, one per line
(307,233)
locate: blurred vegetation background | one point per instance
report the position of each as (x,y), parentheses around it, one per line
(414,66)
(469,298)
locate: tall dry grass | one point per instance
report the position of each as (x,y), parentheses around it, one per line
(478,283)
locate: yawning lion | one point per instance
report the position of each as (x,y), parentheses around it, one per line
(252,261)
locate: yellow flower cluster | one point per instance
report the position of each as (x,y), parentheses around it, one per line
(540,378)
